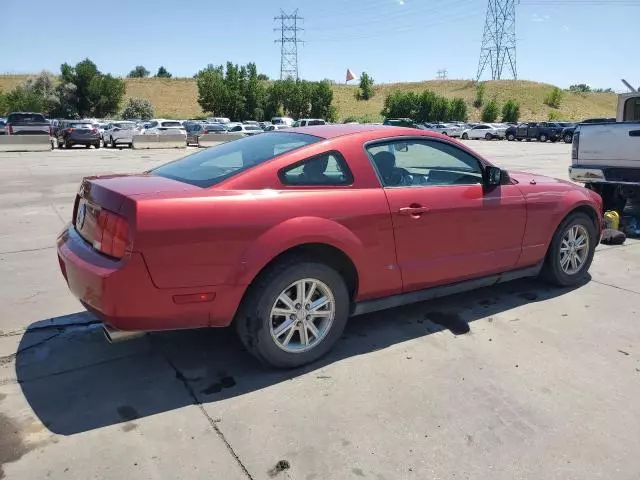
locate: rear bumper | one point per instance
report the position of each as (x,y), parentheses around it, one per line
(598,174)
(122,295)
(82,140)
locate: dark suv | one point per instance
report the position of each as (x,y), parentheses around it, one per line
(77,132)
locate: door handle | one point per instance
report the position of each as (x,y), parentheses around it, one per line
(413,210)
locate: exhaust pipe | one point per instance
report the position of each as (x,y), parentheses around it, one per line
(114,336)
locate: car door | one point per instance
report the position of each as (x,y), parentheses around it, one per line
(479,131)
(448,225)
(534,130)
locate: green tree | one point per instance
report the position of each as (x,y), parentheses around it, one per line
(401,105)
(441,109)
(139,72)
(3,103)
(426,106)
(137,108)
(580,88)
(554,98)
(163,73)
(511,111)
(365,91)
(458,110)
(105,94)
(22,98)
(321,101)
(263,77)
(480,91)
(254,93)
(490,111)
(212,90)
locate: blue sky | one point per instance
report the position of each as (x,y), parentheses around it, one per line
(560,42)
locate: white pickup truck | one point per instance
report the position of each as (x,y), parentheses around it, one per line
(606,156)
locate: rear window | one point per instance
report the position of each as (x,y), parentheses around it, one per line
(82,125)
(124,126)
(214,128)
(26,118)
(315,122)
(251,127)
(170,124)
(209,167)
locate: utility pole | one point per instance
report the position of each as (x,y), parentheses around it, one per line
(288,44)
(441,74)
(499,39)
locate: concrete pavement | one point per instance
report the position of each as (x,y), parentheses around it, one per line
(519,381)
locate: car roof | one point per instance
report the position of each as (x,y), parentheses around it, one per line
(377,131)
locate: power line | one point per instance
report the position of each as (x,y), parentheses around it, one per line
(288,44)
(499,39)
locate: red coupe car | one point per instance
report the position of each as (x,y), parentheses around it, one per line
(288,233)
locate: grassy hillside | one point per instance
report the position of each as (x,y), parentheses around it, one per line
(177,98)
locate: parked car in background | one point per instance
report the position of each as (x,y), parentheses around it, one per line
(194,132)
(271,128)
(541,131)
(308,122)
(264,125)
(3,128)
(274,233)
(246,129)
(218,120)
(483,130)
(567,132)
(77,132)
(119,133)
(164,127)
(447,129)
(282,121)
(251,122)
(27,123)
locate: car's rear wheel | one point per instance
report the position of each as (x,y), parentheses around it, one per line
(511,137)
(445,134)
(543,137)
(571,251)
(568,138)
(97,144)
(488,136)
(294,313)
(112,143)
(465,136)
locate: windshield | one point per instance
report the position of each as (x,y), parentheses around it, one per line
(124,126)
(171,124)
(82,125)
(26,117)
(214,127)
(251,127)
(209,167)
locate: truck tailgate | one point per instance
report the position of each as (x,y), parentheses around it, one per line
(610,144)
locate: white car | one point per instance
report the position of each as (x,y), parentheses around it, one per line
(119,133)
(246,129)
(271,128)
(161,126)
(448,129)
(309,122)
(282,121)
(218,120)
(484,130)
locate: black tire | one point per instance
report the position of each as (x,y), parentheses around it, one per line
(543,137)
(112,144)
(253,317)
(88,145)
(551,270)
(528,139)
(488,136)
(511,137)
(97,145)
(131,145)
(445,134)
(465,136)
(554,139)
(67,145)
(568,138)
(60,144)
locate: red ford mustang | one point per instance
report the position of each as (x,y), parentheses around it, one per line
(288,233)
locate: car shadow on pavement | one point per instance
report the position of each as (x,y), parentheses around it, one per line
(75,381)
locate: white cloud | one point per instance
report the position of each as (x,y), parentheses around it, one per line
(539,18)
(400,2)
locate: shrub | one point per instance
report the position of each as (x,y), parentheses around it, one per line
(458,110)
(139,72)
(490,111)
(511,111)
(554,115)
(137,108)
(480,91)
(554,98)
(163,73)
(580,87)
(365,92)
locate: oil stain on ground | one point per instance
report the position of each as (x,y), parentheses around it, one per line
(127,413)
(12,447)
(450,321)
(281,466)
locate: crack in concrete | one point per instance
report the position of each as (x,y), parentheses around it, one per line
(27,250)
(615,286)
(180,376)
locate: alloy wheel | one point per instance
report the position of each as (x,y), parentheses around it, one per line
(574,249)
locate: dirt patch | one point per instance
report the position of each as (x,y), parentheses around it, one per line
(281,466)
(12,447)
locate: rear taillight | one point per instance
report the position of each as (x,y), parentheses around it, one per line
(69,130)
(93,130)
(111,234)
(575,145)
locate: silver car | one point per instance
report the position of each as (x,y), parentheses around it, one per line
(448,129)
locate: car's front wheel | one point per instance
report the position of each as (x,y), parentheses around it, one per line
(488,136)
(465,136)
(568,138)
(543,137)
(571,251)
(294,313)
(511,137)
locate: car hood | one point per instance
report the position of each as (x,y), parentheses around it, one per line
(535,178)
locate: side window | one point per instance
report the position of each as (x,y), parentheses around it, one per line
(326,169)
(237,128)
(631,110)
(416,163)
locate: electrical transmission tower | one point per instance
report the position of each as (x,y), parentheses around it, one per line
(499,39)
(441,74)
(288,44)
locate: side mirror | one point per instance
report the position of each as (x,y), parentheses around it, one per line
(495,176)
